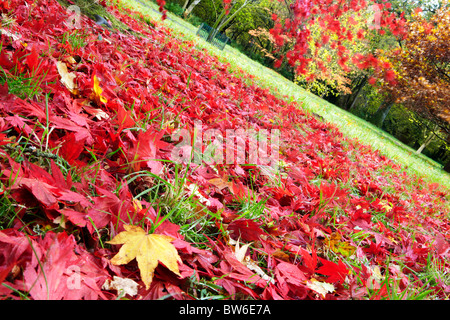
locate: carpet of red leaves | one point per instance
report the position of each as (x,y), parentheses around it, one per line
(340,222)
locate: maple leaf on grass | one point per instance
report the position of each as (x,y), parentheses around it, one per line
(335,271)
(65,269)
(148,249)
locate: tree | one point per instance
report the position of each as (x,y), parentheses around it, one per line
(186,10)
(430,136)
(422,68)
(225,17)
(330,17)
(382,112)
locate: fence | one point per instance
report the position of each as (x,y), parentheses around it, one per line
(212,36)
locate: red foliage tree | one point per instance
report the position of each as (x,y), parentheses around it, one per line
(421,73)
(327,14)
(422,69)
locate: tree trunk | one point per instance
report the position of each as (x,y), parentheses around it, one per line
(425,143)
(190,8)
(222,21)
(359,90)
(382,112)
(428,139)
(185,5)
(447,166)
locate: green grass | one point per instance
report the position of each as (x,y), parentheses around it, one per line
(25,87)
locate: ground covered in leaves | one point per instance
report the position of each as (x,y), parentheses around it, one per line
(88,127)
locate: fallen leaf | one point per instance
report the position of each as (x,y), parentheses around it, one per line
(98,90)
(148,249)
(246,229)
(221,183)
(251,265)
(42,191)
(122,286)
(335,244)
(71,60)
(320,287)
(290,273)
(97,113)
(66,271)
(67,78)
(240,252)
(280,254)
(335,271)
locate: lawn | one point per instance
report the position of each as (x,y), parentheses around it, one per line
(112,185)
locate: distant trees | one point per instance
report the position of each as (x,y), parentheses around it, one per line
(186,10)
(422,68)
(342,26)
(230,9)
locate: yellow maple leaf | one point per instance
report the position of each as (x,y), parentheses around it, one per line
(98,90)
(148,249)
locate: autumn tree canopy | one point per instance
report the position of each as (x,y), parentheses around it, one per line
(341,38)
(422,68)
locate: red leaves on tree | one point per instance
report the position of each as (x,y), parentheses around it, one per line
(327,15)
(419,80)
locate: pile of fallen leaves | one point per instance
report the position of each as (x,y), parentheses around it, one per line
(339,221)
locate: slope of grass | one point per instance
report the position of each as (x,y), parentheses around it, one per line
(347,123)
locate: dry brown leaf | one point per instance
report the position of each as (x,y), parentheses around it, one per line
(122,286)
(148,249)
(67,78)
(280,254)
(221,183)
(320,287)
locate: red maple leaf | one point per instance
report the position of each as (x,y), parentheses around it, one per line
(4,89)
(309,261)
(336,272)
(246,229)
(70,272)
(5,61)
(32,60)
(42,191)
(148,151)
(71,148)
